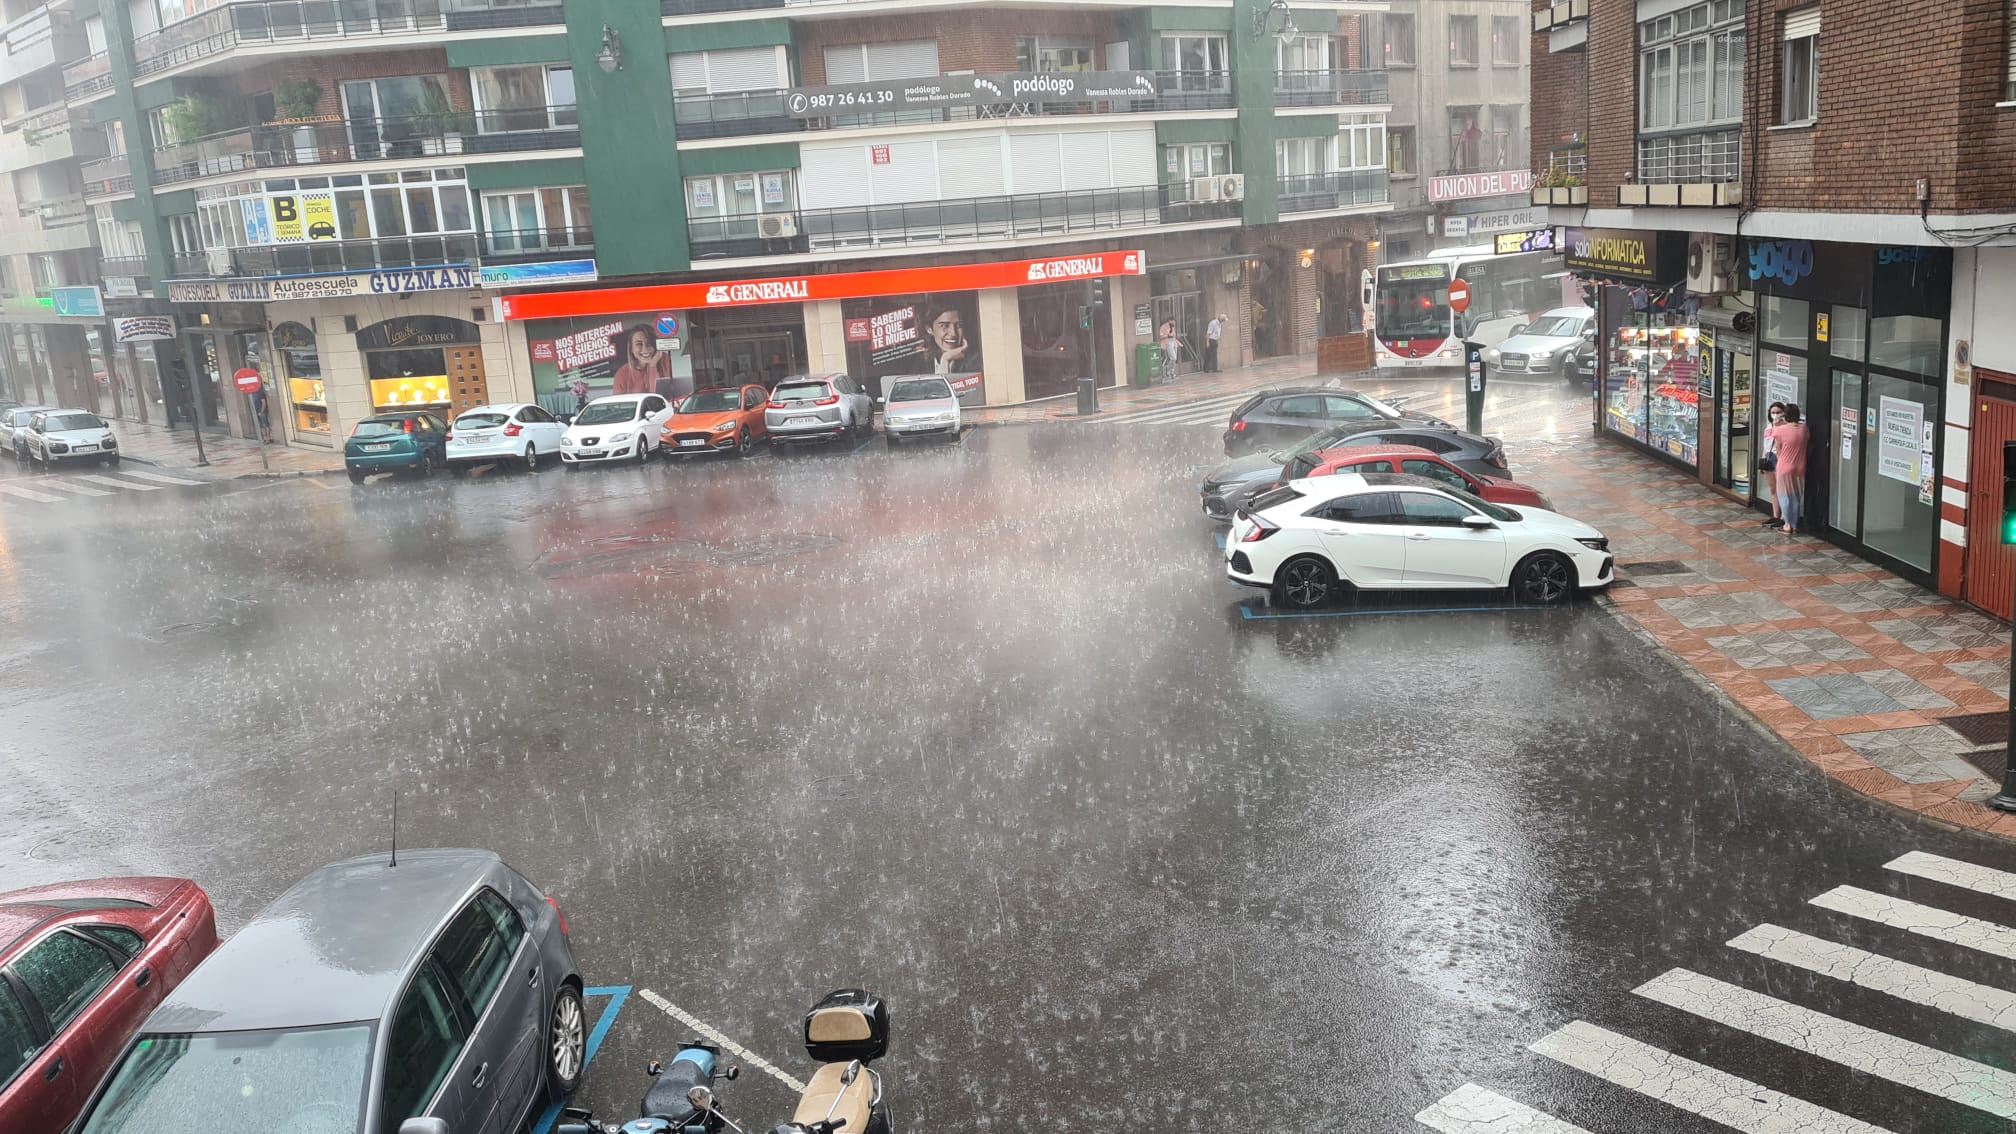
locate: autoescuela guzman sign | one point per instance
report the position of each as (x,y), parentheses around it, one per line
(1001,88)
(389,282)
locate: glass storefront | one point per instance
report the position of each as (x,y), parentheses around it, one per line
(301,368)
(1652,380)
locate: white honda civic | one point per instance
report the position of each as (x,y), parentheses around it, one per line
(1309,541)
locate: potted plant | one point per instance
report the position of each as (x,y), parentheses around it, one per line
(295,101)
(440,125)
(196,116)
(1557,186)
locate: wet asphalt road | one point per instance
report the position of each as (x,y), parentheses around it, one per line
(980,727)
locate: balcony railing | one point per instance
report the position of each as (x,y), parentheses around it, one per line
(1691,159)
(705,7)
(88,77)
(135,266)
(1344,189)
(189,265)
(57,212)
(517,130)
(511,246)
(1571,158)
(965,220)
(107,176)
(743,113)
(333,256)
(1331,88)
(259,22)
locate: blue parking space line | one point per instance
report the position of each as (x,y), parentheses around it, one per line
(1219,539)
(864,444)
(1246,612)
(617,994)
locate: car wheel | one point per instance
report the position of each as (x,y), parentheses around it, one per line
(1305,583)
(112,462)
(1545,578)
(356,476)
(566,1043)
(745,444)
(894,440)
(531,458)
(643,450)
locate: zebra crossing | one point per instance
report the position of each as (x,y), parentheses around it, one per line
(73,486)
(1920,1066)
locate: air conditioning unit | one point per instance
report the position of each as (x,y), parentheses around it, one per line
(777,226)
(220,261)
(1204,190)
(1710,264)
(1232,187)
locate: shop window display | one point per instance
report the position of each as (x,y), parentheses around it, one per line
(1652,382)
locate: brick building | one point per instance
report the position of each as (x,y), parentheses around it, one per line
(1806,202)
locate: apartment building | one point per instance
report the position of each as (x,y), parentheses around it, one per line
(380,203)
(1778,201)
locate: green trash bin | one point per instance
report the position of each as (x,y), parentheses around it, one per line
(1147,363)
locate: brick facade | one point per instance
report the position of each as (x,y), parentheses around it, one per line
(1560,96)
(975,41)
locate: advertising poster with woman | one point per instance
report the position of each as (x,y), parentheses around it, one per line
(917,334)
(577,360)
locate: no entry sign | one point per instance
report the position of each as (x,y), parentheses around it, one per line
(247,381)
(1459,296)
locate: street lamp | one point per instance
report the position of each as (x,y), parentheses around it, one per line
(610,58)
(1265,17)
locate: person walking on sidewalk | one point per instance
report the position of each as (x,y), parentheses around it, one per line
(1212,332)
(1172,346)
(1767,463)
(1789,478)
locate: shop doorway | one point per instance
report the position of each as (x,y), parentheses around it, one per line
(427,362)
(766,358)
(1273,296)
(1734,440)
(733,348)
(1989,576)
(1187,309)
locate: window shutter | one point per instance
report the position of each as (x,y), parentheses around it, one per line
(1087,162)
(917,59)
(1802,23)
(847,64)
(911,175)
(1134,156)
(747,69)
(971,167)
(2009,29)
(689,71)
(1034,163)
(833,176)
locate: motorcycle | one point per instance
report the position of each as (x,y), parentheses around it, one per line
(844,1032)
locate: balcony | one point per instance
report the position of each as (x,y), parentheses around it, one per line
(258,23)
(288,146)
(1701,170)
(134,266)
(709,7)
(1326,192)
(36,41)
(746,113)
(1331,88)
(58,212)
(45,135)
(531,245)
(88,78)
(331,256)
(1560,14)
(967,220)
(107,176)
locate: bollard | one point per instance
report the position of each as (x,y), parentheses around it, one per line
(1088,396)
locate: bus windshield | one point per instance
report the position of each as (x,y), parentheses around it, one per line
(1413,302)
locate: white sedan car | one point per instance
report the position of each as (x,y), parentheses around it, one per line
(621,427)
(1310,540)
(514,431)
(59,435)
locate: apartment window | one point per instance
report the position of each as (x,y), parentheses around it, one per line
(1400,154)
(532,220)
(1690,67)
(1469,148)
(527,97)
(38,91)
(183,235)
(1361,143)
(117,239)
(1397,38)
(94,34)
(160,133)
(876,62)
(45,270)
(732,71)
(6,275)
(2009,75)
(1307,53)
(1198,159)
(1462,41)
(1037,53)
(1507,33)
(1304,157)
(1197,54)
(417,202)
(1799,68)
(741,194)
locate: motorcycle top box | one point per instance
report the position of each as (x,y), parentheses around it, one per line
(847,1024)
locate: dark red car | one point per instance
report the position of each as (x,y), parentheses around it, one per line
(1420,462)
(81,965)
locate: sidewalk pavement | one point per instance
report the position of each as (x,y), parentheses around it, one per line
(1126,399)
(230,457)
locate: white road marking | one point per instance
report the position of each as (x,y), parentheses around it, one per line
(747,1056)
(1962,998)
(1867,1050)
(1940,925)
(79,489)
(96,479)
(30,494)
(1693,1087)
(1471,1109)
(1186,413)
(158,478)
(1953,872)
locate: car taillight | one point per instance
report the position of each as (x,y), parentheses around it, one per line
(558,914)
(513,430)
(773,403)
(448,436)
(828,400)
(1238,427)
(1261,530)
(1497,459)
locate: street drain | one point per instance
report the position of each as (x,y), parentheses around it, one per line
(1655,567)
(853,785)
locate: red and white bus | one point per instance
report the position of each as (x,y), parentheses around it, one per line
(1414,327)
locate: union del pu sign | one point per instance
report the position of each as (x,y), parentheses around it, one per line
(1465,186)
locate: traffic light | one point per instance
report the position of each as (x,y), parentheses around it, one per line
(1085,318)
(1098,294)
(2009,492)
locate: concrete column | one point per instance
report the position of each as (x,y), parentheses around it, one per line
(825,337)
(1000,318)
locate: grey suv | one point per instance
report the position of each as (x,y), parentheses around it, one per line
(436,995)
(818,407)
(1547,346)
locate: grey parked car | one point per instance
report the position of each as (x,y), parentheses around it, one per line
(818,407)
(438,995)
(1547,347)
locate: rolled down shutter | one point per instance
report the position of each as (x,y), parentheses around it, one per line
(1803,23)
(1087,163)
(847,64)
(916,59)
(1134,156)
(1034,165)
(689,71)
(910,175)
(745,69)
(833,176)
(2009,30)
(971,167)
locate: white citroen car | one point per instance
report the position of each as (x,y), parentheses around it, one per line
(1311,540)
(58,436)
(514,431)
(622,427)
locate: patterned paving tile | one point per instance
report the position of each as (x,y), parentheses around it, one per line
(1808,562)
(1990,675)
(1728,610)
(1751,536)
(1652,546)
(1928,754)
(1769,649)
(1932,633)
(1712,514)
(1688,571)
(1876,594)
(1835,695)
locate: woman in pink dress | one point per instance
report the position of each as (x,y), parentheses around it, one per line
(1789,438)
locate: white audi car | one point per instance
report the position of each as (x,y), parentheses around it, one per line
(1309,541)
(514,431)
(621,427)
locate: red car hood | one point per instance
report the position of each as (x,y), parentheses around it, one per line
(1503,491)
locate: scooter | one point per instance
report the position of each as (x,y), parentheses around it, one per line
(844,1032)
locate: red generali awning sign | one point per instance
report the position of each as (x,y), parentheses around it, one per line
(838,285)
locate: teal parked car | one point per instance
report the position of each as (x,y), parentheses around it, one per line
(412,441)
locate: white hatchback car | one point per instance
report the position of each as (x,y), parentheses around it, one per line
(513,431)
(59,436)
(12,421)
(918,407)
(622,427)
(1310,540)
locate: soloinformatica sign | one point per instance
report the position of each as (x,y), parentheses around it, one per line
(1647,257)
(1000,88)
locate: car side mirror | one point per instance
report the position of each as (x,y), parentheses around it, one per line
(1518,329)
(881,401)
(1473,521)
(424,1126)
